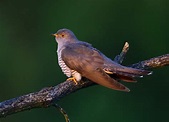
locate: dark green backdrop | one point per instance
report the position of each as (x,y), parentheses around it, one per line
(28,60)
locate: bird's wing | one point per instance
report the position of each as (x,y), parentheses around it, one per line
(86,60)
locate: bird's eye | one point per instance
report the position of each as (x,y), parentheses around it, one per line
(62,35)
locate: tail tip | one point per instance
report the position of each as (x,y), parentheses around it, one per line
(127,89)
(151,72)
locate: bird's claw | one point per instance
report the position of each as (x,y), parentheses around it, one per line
(73,79)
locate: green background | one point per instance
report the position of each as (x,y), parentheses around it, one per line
(28,60)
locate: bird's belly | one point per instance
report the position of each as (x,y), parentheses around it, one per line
(76,75)
(67,71)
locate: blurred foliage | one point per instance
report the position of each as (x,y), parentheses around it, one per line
(28,60)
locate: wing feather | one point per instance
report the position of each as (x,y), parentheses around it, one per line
(94,65)
(89,62)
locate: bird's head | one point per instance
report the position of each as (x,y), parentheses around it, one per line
(63,36)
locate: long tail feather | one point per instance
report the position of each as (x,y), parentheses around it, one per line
(127,71)
(123,78)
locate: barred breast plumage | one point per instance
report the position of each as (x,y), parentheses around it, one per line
(65,69)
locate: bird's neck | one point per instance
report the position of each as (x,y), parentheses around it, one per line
(62,43)
(60,47)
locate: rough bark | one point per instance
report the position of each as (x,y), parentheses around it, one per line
(50,95)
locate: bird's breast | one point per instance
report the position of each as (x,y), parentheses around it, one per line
(65,69)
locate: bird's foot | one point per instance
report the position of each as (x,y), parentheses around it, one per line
(73,79)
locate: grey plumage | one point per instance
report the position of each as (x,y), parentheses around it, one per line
(80,59)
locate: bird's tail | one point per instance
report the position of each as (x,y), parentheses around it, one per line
(132,72)
(126,71)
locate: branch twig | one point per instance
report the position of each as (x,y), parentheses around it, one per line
(50,95)
(63,112)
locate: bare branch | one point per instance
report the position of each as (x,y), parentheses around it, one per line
(63,112)
(119,58)
(156,62)
(50,95)
(43,98)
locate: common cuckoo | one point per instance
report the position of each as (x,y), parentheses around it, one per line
(79,59)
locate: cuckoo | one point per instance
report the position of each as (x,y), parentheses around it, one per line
(79,59)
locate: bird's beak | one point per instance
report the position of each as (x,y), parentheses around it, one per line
(55,34)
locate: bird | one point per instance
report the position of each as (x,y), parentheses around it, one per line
(78,59)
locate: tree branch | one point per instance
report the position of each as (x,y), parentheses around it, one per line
(156,62)
(48,96)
